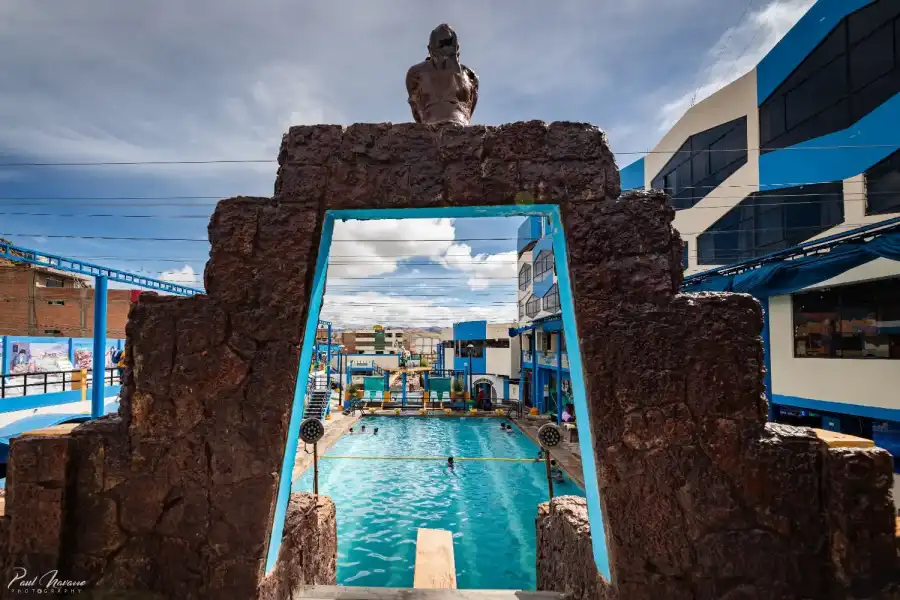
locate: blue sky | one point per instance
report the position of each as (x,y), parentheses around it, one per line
(105,80)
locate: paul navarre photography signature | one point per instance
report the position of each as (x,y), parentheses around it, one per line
(45,583)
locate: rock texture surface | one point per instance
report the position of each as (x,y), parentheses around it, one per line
(176,494)
(565,557)
(308,554)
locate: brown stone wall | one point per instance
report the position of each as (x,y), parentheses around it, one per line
(308,554)
(565,557)
(701,499)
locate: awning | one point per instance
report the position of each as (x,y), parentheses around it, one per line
(788,276)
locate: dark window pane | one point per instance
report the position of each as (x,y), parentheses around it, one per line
(858,321)
(872,57)
(684,257)
(883,186)
(771,220)
(866,20)
(819,98)
(714,155)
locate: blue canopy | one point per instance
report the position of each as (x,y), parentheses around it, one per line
(789,276)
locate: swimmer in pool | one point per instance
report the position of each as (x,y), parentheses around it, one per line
(363,429)
(450,463)
(375,432)
(540,455)
(351,431)
(555,472)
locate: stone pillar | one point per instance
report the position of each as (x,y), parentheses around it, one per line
(308,554)
(565,559)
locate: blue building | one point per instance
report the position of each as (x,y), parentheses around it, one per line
(803,147)
(545,381)
(486,355)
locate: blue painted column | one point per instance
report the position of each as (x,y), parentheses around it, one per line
(426,385)
(328,360)
(537,390)
(767,357)
(71,352)
(506,388)
(559,404)
(99,367)
(4,364)
(403,389)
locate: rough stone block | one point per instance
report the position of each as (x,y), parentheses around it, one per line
(860,515)
(565,558)
(310,144)
(524,140)
(308,554)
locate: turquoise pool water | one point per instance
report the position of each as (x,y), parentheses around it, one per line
(489,506)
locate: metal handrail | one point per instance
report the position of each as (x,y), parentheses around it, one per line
(25,384)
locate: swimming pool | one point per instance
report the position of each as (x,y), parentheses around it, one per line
(488,506)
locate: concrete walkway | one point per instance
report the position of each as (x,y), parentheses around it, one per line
(567,454)
(338,425)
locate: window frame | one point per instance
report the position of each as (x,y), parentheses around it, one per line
(884,293)
(524,276)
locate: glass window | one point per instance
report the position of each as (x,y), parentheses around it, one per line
(53,282)
(856,321)
(524,276)
(684,256)
(551,300)
(533,306)
(851,72)
(771,220)
(703,162)
(543,265)
(883,186)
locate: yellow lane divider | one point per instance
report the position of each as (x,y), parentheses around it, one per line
(455,458)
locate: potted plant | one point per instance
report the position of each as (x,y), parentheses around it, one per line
(354,391)
(457,390)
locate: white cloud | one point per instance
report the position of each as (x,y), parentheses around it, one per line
(483,269)
(183,276)
(368,308)
(377,248)
(738,50)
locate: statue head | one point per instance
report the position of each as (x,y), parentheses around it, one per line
(443,44)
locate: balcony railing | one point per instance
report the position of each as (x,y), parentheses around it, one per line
(16,385)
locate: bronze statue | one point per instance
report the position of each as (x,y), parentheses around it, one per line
(441,90)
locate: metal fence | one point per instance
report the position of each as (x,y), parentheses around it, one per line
(16,385)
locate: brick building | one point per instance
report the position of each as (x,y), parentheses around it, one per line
(39,301)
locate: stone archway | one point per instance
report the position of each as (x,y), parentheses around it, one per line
(177,494)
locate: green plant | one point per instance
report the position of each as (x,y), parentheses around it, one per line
(457,386)
(354,388)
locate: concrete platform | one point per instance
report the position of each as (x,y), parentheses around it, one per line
(323,592)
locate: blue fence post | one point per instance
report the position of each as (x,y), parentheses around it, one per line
(403,389)
(506,388)
(98,378)
(537,389)
(4,364)
(328,359)
(559,409)
(72,351)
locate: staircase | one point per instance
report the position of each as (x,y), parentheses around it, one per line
(317,396)
(316,404)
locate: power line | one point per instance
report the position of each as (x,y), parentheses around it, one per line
(863,197)
(157,239)
(137,163)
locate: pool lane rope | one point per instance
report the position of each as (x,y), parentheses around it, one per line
(442,458)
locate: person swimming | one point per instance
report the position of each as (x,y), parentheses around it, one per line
(450,464)
(351,431)
(375,431)
(363,429)
(540,455)
(555,472)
